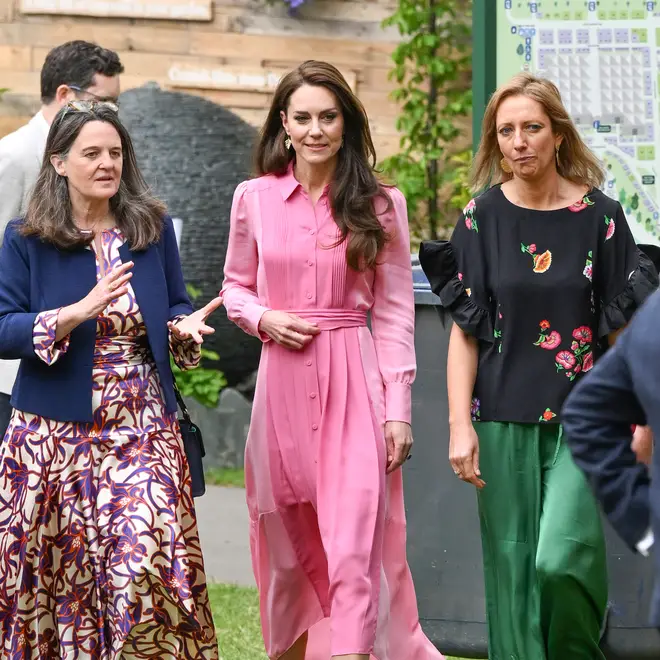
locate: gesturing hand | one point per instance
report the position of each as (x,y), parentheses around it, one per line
(288,329)
(194,325)
(398,436)
(111,286)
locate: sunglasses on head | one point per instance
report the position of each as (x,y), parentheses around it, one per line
(90,106)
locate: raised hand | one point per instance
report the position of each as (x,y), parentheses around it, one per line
(111,286)
(194,326)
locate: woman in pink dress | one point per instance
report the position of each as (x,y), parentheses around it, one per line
(317,244)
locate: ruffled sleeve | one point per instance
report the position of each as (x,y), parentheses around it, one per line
(457,273)
(185,352)
(43,336)
(625,276)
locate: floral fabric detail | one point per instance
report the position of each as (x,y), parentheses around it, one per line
(497,333)
(470,220)
(588,271)
(581,205)
(548,339)
(547,416)
(611,226)
(43,337)
(542,262)
(580,358)
(475,409)
(186,353)
(91,508)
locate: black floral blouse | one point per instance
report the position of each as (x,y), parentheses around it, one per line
(541,291)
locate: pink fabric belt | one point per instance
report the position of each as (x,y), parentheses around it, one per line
(332,319)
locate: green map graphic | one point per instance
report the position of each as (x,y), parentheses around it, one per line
(604,56)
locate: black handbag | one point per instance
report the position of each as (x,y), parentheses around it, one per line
(193,445)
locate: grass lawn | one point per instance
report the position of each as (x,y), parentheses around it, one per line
(232,477)
(236,615)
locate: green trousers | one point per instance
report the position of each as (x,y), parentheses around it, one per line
(543,547)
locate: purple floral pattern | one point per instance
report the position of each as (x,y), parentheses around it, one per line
(475,409)
(99,551)
(588,271)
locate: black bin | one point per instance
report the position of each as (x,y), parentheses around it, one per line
(444,546)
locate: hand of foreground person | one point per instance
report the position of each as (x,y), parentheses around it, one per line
(111,286)
(464,454)
(398,436)
(642,444)
(194,325)
(287,329)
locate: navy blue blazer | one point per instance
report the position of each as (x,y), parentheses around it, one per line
(35,276)
(622,389)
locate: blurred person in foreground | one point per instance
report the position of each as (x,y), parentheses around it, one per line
(74,70)
(316,243)
(99,550)
(540,273)
(623,389)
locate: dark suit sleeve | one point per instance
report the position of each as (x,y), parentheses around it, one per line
(178,296)
(16,319)
(597,417)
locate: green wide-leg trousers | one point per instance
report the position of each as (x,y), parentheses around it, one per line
(543,547)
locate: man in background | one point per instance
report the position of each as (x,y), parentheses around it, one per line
(74,70)
(623,389)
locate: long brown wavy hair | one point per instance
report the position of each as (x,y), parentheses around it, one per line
(355,187)
(137,212)
(577,162)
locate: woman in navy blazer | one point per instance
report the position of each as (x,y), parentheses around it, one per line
(99,549)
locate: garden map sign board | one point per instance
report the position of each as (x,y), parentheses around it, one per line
(605,58)
(183,10)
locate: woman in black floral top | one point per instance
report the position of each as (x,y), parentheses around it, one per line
(541,272)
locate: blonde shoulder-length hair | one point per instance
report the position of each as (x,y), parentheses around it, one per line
(577,162)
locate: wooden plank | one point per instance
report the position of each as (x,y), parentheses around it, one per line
(337,10)
(252,116)
(15,58)
(341,52)
(256,79)
(106,34)
(6,10)
(11,124)
(286,26)
(21,82)
(154,65)
(177,10)
(232,99)
(386,145)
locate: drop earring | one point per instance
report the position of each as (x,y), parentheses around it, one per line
(557,155)
(505,166)
(287,142)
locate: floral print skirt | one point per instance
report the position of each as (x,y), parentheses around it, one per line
(99,551)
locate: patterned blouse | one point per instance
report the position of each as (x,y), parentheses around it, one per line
(541,291)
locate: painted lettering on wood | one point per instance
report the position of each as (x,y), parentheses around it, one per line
(257,80)
(182,10)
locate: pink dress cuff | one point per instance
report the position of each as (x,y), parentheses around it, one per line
(43,337)
(250,318)
(398,402)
